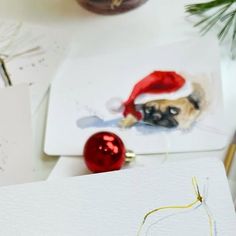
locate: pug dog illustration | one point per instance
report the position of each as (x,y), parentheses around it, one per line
(181,112)
(167,100)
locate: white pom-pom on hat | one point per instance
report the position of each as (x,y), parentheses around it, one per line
(115,105)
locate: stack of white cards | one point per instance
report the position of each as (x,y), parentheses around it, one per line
(30,57)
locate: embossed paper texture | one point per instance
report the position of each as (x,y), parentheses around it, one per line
(115,203)
(15,136)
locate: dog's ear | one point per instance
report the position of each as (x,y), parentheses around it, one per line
(197,97)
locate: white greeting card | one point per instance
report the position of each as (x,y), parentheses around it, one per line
(190,198)
(31,54)
(81,100)
(15,136)
(68,167)
(75,165)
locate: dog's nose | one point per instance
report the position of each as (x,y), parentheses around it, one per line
(157,115)
(168,123)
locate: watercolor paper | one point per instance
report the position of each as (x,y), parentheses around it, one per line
(79,103)
(116,203)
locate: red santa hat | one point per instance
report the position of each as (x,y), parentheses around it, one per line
(156,85)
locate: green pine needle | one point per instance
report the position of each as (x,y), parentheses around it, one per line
(221,12)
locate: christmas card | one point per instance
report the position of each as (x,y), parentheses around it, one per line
(15,136)
(190,198)
(70,166)
(161,99)
(30,54)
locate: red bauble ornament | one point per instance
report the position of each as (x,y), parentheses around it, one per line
(104,151)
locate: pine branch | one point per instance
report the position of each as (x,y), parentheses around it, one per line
(221,11)
(199,8)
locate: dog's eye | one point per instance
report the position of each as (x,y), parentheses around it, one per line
(173,110)
(149,110)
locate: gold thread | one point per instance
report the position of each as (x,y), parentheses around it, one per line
(199,199)
(211,225)
(210,221)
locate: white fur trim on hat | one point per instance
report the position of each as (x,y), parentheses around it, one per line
(186,90)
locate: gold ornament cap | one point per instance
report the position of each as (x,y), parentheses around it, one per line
(129,156)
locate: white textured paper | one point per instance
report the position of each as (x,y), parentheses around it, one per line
(33,55)
(115,203)
(93,81)
(15,136)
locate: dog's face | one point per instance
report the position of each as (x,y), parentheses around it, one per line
(174,113)
(170,114)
